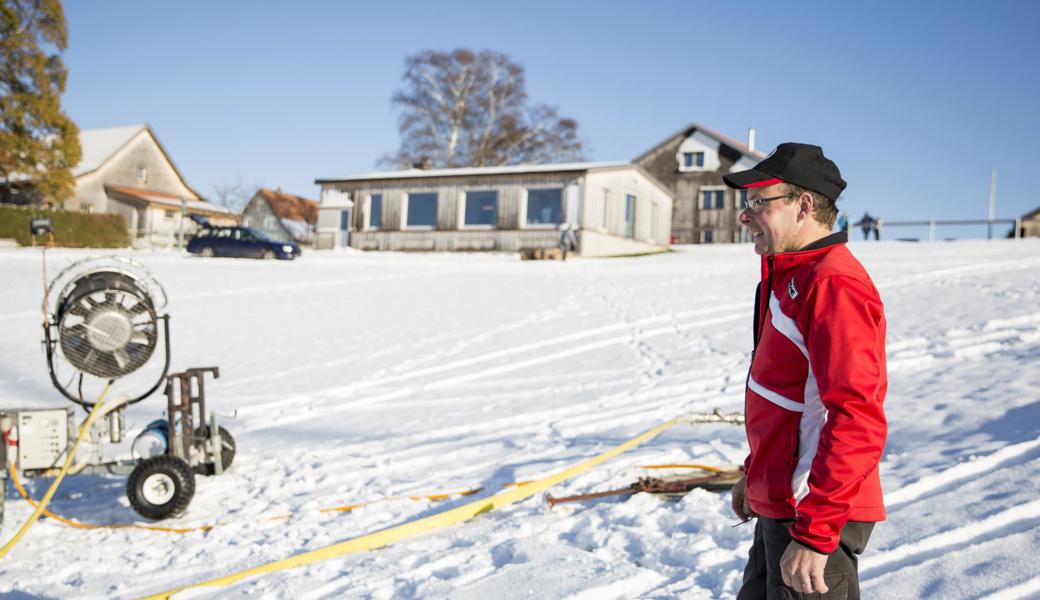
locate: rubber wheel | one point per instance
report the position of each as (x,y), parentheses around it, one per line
(267,254)
(227,445)
(160,487)
(207,252)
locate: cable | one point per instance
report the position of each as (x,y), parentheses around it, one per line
(83,429)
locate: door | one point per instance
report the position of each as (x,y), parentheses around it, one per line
(343,236)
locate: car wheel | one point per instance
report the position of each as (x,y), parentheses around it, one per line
(207,252)
(160,487)
(267,254)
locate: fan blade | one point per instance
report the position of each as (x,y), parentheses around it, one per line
(140,337)
(121,358)
(79,331)
(91,302)
(138,308)
(79,310)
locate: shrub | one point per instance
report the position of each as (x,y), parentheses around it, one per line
(71,229)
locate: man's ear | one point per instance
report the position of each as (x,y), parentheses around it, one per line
(805,205)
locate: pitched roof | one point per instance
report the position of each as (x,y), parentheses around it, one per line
(100,145)
(718,137)
(465,171)
(169,200)
(290,207)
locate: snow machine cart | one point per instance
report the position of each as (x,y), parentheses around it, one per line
(103,327)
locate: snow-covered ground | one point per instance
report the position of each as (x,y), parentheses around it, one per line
(352,377)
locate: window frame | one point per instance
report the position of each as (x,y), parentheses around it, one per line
(368,226)
(407,202)
(527,207)
(715,189)
(465,208)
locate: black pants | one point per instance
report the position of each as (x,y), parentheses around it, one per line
(762,580)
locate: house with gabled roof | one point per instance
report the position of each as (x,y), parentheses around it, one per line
(691,162)
(282,216)
(610,209)
(126,171)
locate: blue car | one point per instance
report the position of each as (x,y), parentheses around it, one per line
(241,242)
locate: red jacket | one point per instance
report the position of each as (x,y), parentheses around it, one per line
(815,421)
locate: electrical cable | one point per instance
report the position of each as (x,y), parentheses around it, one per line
(83,430)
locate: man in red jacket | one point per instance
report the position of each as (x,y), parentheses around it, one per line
(815,391)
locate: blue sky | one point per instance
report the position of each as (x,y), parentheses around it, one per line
(915,101)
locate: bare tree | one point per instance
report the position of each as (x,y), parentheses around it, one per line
(234,195)
(466,108)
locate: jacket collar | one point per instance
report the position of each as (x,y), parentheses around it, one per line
(787,260)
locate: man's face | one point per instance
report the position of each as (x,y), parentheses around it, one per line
(773,225)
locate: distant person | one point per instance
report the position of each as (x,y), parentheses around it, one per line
(866,224)
(843,221)
(877,229)
(568,240)
(814,399)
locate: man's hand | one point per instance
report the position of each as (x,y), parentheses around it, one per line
(802,569)
(739,503)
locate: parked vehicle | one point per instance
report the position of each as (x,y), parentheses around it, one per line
(242,242)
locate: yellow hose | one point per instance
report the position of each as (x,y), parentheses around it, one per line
(83,429)
(433,522)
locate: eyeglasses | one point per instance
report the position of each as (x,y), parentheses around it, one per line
(755,204)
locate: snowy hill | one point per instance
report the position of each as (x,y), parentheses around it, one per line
(351,378)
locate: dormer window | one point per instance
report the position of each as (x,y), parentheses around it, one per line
(693,159)
(141,174)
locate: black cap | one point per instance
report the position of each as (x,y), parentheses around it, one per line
(801,164)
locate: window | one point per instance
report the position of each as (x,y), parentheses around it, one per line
(170,214)
(375,211)
(543,207)
(741,198)
(693,159)
(712,199)
(630,215)
(422,210)
(709,236)
(141,173)
(344,220)
(481,208)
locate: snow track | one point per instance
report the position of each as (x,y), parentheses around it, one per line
(351,378)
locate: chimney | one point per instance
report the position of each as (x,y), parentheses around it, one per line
(751,139)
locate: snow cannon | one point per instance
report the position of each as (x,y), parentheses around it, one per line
(102,330)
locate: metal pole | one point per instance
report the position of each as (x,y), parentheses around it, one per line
(992,202)
(1018,228)
(180,233)
(931,230)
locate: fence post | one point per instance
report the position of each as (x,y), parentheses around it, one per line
(931,230)
(1018,228)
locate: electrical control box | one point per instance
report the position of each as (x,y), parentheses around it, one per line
(43,436)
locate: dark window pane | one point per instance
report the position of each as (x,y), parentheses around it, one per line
(375,210)
(543,207)
(719,198)
(630,215)
(688,159)
(422,209)
(699,157)
(481,208)
(706,202)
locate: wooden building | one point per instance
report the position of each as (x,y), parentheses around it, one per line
(126,171)
(691,162)
(1029,224)
(615,208)
(282,216)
